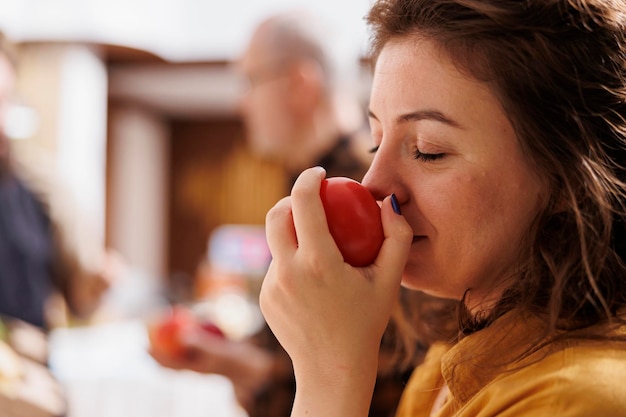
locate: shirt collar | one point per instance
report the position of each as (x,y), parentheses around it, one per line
(479,358)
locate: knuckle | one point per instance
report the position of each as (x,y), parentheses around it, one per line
(280,209)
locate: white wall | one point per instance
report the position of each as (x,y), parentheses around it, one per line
(140,187)
(81,143)
(178,30)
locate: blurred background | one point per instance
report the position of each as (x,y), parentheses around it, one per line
(137,102)
(134,102)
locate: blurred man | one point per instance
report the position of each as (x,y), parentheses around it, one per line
(300,107)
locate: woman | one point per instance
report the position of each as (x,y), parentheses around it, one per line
(500,135)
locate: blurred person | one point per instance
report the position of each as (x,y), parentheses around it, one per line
(301,105)
(301,109)
(43,255)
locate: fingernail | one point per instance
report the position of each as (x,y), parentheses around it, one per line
(319,169)
(395,205)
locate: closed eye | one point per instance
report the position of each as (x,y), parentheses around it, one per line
(427,157)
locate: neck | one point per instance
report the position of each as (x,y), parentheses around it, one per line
(314,144)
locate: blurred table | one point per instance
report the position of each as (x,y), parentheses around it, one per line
(107,372)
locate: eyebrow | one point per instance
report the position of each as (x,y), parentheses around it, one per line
(416,116)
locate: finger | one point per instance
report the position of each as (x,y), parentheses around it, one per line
(308,212)
(279,229)
(395,249)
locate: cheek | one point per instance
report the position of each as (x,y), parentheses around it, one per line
(458,199)
(265,120)
(498,210)
(478,215)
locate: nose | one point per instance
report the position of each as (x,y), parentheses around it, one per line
(382,178)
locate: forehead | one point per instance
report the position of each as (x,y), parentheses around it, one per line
(416,72)
(410,61)
(258,52)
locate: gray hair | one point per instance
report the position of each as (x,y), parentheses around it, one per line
(300,34)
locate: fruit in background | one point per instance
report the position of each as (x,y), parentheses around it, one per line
(353,217)
(166,333)
(212,328)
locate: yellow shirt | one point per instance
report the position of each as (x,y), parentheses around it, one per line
(567,379)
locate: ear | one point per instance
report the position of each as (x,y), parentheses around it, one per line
(307,86)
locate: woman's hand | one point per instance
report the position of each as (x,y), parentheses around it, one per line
(328,315)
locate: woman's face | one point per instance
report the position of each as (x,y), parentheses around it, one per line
(451,156)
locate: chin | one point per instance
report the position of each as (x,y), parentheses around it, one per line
(427,284)
(413,282)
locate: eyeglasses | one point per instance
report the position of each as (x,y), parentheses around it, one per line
(257,79)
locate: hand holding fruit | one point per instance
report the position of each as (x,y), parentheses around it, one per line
(312,285)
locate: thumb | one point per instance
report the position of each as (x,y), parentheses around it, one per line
(394,252)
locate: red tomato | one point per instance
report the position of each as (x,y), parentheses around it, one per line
(353,217)
(165,335)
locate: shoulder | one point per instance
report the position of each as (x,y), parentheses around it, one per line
(348,158)
(73,231)
(582,380)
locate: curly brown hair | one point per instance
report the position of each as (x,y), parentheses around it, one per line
(559,69)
